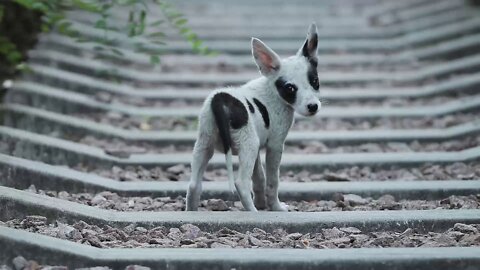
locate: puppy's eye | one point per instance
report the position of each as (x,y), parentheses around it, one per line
(291,88)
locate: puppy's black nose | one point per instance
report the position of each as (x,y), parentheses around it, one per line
(312,108)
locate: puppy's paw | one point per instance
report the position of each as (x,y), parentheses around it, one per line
(279,207)
(260,202)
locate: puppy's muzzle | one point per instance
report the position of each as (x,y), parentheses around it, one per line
(312,108)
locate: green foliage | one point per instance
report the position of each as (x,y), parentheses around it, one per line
(179,22)
(7,48)
(143,34)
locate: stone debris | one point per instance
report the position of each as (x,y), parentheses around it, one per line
(123,149)
(20,263)
(183,124)
(189,235)
(339,202)
(457,170)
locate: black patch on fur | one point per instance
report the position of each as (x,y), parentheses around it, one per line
(228,112)
(250,106)
(285,90)
(312,70)
(263,110)
(313,62)
(313,77)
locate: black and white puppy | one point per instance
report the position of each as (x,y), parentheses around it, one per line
(240,121)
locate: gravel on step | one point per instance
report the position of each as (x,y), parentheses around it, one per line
(170,65)
(180,172)
(379,103)
(401,102)
(20,263)
(378,82)
(440,122)
(317,147)
(341,202)
(123,149)
(120,120)
(190,236)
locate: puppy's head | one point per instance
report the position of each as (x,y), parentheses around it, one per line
(296,77)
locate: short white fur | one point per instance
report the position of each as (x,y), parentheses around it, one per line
(249,139)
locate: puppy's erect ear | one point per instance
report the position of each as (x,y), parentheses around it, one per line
(309,48)
(267,60)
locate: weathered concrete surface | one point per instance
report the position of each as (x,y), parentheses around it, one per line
(76,255)
(62,152)
(21,173)
(69,102)
(75,63)
(386,35)
(17,204)
(46,122)
(72,81)
(56,251)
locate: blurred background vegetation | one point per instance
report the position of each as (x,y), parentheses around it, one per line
(22,20)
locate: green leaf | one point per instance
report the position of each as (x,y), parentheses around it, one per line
(180,22)
(122,2)
(143,14)
(64,27)
(131,29)
(102,24)
(196,44)
(158,42)
(141,29)
(177,20)
(54,18)
(39,6)
(157,23)
(73,33)
(86,5)
(155,59)
(164,5)
(191,37)
(174,15)
(184,30)
(105,8)
(14,56)
(212,53)
(45,28)
(116,51)
(156,35)
(23,67)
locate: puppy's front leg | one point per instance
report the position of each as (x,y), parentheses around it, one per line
(273,158)
(259,182)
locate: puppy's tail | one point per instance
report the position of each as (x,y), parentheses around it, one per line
(221,113)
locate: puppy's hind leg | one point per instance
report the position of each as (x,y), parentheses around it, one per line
(247,156)
(202,153)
